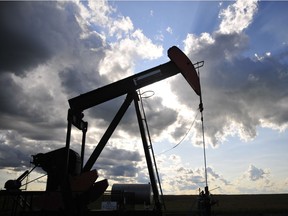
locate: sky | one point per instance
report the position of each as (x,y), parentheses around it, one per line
(51,51)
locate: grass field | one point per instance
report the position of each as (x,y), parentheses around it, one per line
(237,205)
(272,204)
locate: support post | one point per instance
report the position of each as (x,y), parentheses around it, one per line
(147,154)
(68,137)
(65,187)
(89,164)
(84,130)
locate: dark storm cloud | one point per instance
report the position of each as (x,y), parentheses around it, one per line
(248,92)
(29,114)
(179,132)
(122,170)
(10,95)
(82,74)
(19,50)
(46,33)
(13,156)
(78,80)
(105,112)
(32,32)
(116,163)
(46,57)
(16,151)
(113,155)
(40,46)
(17,103)
(159,117)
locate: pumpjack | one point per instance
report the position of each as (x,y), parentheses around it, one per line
(71,183)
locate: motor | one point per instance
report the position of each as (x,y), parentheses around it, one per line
(15,185)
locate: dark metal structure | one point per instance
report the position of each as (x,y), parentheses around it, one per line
(179,63)
(63,163)
(132,193)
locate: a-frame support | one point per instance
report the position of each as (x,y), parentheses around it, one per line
(108,133)
(147,155)
(88,166)
(179,63)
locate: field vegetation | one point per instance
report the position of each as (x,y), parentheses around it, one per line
(237,205)
(272,204)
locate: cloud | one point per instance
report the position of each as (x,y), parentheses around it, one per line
(236,17)
(69,48)
(97,12)
(44,54)
(239,92)
(13,156)
(57,55)
(169,30)
(179,178)
(33,98)
(254,173)
(114,163)
(121,57)
(255,180)
(34,93)
(213,176)
(29,111)
(27,42)
(124,25)
(158,116)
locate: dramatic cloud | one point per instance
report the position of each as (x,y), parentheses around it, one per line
(239,92)
(26,42)
(12,156)
(53,51)
(121,56)
(57,55)
(115,163)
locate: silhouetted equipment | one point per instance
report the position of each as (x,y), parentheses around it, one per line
(179,63)
(186,67)
(132,193)
(129,86)
(205,202)
(72,182)
(16,184)
(54,163)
